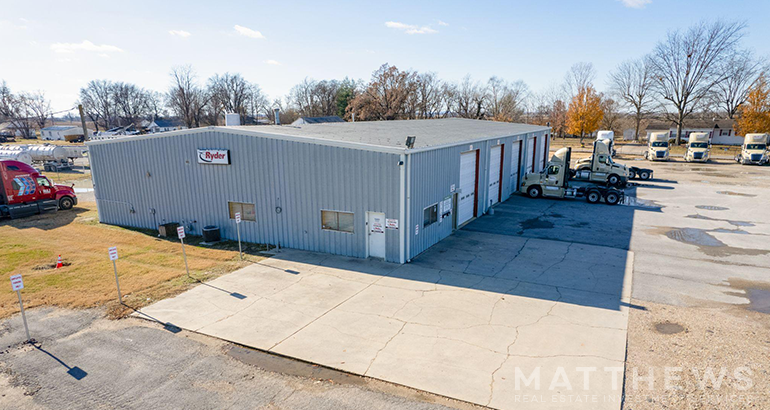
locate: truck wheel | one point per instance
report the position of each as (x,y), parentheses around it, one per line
(534,191)
(644,175)
(613,180)
(65,203)
(612,198)
(593,196)
(631,174)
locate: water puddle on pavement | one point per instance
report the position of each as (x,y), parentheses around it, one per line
(730,221)
(758,294)
(707,243)
(732,193)
(667,328)
(712,207)
(536,223)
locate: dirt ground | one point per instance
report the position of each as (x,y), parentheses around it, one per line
(150,268)
(696,340)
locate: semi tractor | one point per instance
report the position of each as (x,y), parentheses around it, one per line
(657,147)
(600,167)
(754,150)
(556,181)
(24,192)
(698,147)
(609,138)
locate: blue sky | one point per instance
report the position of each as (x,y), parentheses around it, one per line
(59,46)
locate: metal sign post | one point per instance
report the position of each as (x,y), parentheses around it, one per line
(17,285)
(113,257)
(180,233)
(238,228)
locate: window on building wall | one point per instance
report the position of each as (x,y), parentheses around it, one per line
(430,215)
(248,211)
(337,221)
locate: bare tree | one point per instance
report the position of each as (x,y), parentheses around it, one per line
(98,103)
(186,98)
(686,66)
(428,95)
(741,72)
(611,113)
(505,101)
(229,93)
(15,108)
(39,106)
(471,96)
(385,96)
(579,77)
(632,81)
(131,103)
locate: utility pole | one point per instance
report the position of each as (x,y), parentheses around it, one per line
(86,137)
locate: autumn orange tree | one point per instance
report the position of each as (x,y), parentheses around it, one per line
(585,112)
(754,114)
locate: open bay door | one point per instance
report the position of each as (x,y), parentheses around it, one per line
(466,207)
(515,164)
(495,171)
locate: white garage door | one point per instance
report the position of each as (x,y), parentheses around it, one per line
(495,162)
(467,187)
(530,155)
(514,181)
(544,150)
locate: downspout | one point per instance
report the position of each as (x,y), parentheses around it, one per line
(407,228)
(402,209)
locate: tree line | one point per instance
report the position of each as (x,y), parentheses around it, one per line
(700,71)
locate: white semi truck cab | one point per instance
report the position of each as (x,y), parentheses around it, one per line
(600,167)
(657,147)
(556,181)
(754,150)
(609,138)
(698,147)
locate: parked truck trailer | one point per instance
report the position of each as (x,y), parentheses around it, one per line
(754,150)
(24,192)
(556,181)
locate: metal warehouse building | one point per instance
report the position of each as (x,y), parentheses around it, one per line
(353,189)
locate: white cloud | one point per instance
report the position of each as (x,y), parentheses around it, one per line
(84,46)
(410,29)
(272,62)
(247,32)
(442,23)
(636,4)
(179,33)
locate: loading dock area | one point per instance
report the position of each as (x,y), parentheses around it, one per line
(318,187)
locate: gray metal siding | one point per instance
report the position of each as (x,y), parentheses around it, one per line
(434,172)
(300,178)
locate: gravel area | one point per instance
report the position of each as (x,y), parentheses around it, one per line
(697,339)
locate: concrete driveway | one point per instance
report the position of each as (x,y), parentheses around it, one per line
(475,318)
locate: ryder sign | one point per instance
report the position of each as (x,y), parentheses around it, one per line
(214,156)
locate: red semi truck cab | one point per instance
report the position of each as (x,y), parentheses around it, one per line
(24,191)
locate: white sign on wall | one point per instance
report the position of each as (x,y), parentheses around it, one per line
(16,283)
(417,229)
(180,232)
(391,223)
(113,253)
(237,217)
(214,156)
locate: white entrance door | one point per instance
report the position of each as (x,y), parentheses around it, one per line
(376,230)
(495,162)
(530,155)
(515,166)
(467,187)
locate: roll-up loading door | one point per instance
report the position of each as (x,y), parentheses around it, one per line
(466,208)
(495,171)
(531,154)
(515,164)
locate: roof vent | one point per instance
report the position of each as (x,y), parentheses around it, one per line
(277,116)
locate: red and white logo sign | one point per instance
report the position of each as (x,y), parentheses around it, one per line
(237,217)
(16,283)
(180,231)
(391,223)
(114,253)
(214,156)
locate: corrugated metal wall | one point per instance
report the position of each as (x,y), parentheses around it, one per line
(135,178)
(434,172)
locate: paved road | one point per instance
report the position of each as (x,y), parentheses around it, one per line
(83,361)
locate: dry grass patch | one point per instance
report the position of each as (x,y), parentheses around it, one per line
(150,268)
